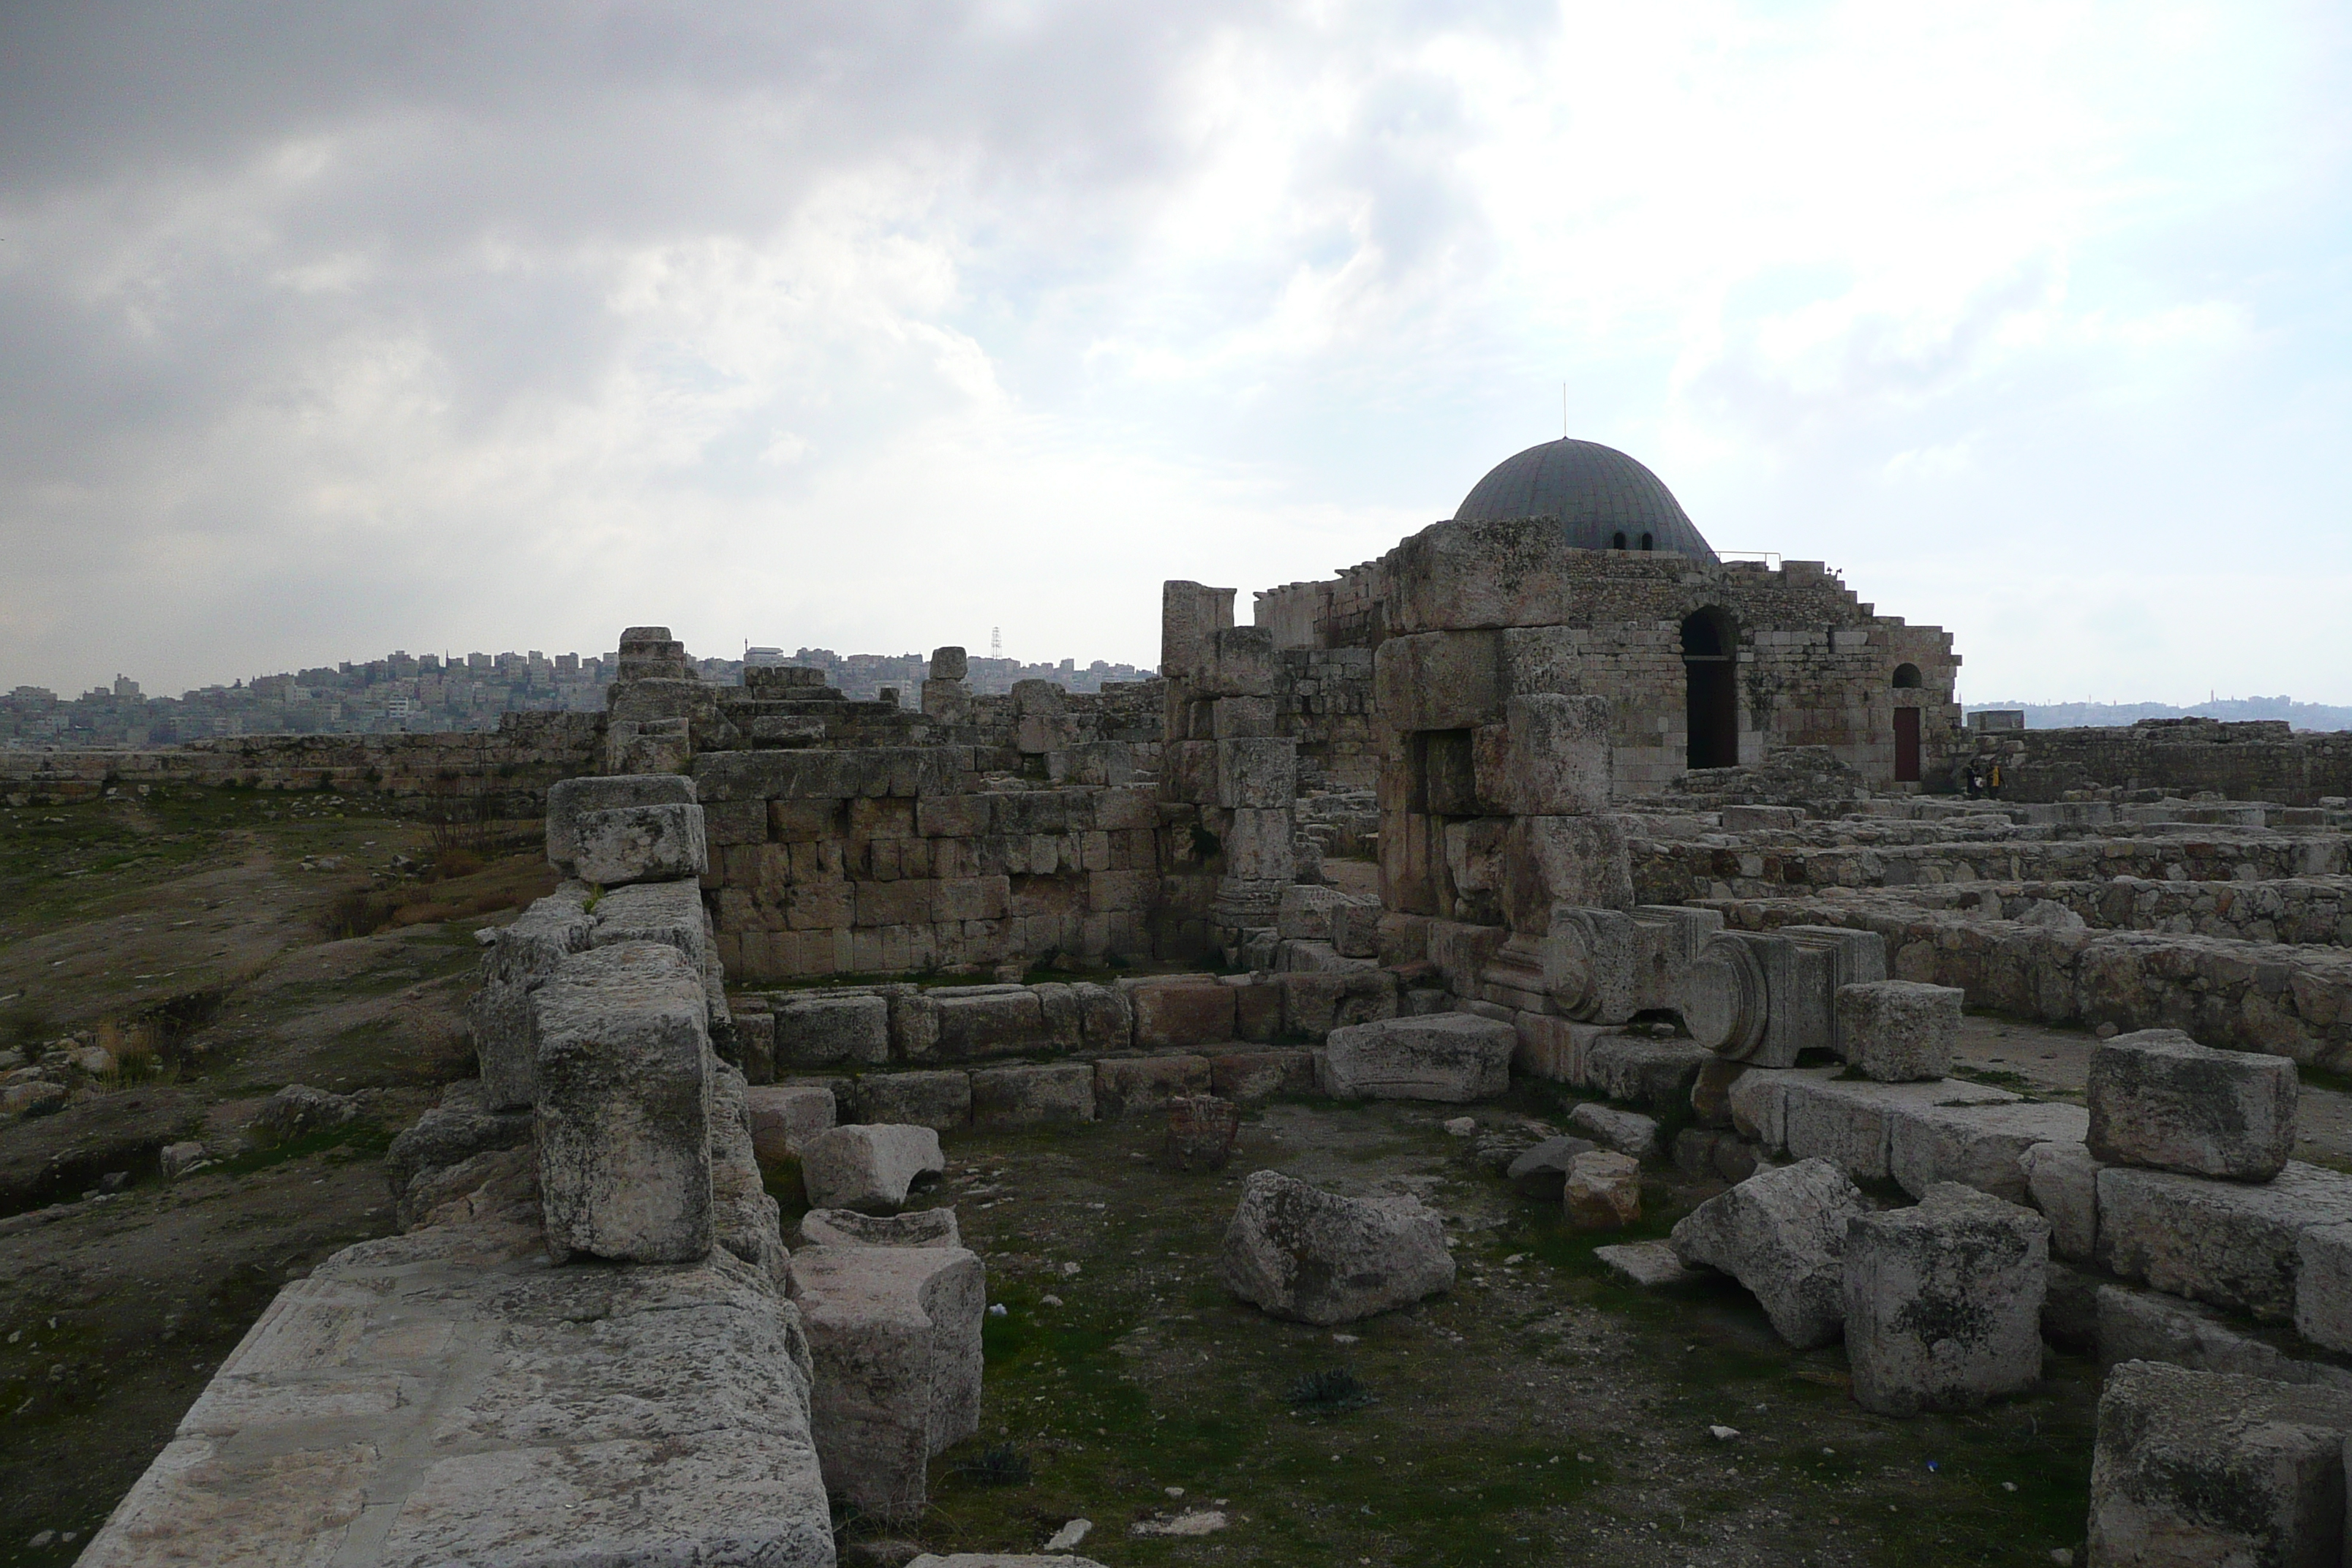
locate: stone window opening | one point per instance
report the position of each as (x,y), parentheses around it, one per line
(1906,677)
(1617,540)
(1710,649)
(1646,542)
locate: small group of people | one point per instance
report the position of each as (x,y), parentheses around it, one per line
(1984,778)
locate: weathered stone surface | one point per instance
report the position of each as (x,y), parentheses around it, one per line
(939,1101)
(521,957)
(1313,1005)
(1255,1075)
(624,1115)
(1452,1058)
(785,1115)
(1653,1073)
(1781,1233)
(677,1430)
(1899,1031)
(668,912)
(1142,1086)
(868,1167)
(987,1021)
(1031,1095)
(2323,1286)
(297,1110)
(1257,774)
(744,1217)
(1602,1192)
(1181,1015)
(2233,1244)
(1556,758)
(1554,861)
(1105,1022)
(1943,1302)
(1540,1171)
(2195,1469)
(1315,1258)
(831,1031)
(2160,1100)
(1626,1132)
(1201,1131)
(895,1335)
(847,1227)
(640,844)
(1978,1146)
(568,798)
(1852,1122)
(1645,1263)
(2062,1180)
(2148,1325)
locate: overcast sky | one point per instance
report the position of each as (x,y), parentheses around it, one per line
(330,328)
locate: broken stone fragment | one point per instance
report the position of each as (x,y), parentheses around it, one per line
(1626,1132)
(1313,1256)
(1602,1192)
(867,1167)
(847,1227)
(1451,1058)
(297,1110)
(1644,1263)
(1540,1171)
(783,1115)
(1943,1302)
(1782,1233)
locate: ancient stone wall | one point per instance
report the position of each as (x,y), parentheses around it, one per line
(2261,761)
(1324,701)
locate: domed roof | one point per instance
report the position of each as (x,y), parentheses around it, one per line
(1597,492)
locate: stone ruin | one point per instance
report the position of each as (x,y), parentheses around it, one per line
(1519,800)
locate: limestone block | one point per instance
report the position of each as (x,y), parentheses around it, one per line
(568,798)
(869,1166)
(1201,1133)
(1257,1008)
(1648,1264)
(1554,861)
(1313,1257)
(2148,1325)
(1626,1132)
(785,1115)
(1256,1075)
(1257,846)
(1304,913)
(1039,699)
(1856,958)
(2160,1100)
(986,1021)
(1722,999)
(1782,1233)
(1943,1302)
(1356,928)
(667,912)
(1644,1070)
(2233,1244)
(744,1217)
(1139,1086)
(1314,1004)
(1759,1103)
(949,663)
(895,1335)
(461,1127)
(755,1046)
(946,702)
(1241,662)
(1032,1096)
(1452,1058)
(1191,614)
(1592,963)
(1899,1031)
(1980,1146)
(1179,1015)
(623,1113)
(1463,573)
(2197,1469)
(1258,775)
(1551,1047)
(2323,1286)
(1437,681)
(1540,1171)
(831,1031)
(939,1101)
(1603,1191)
(1852,1123)
(1244,719)
(1106,1021)
(640,844)
(521,956)
(847,1227)
(2062,1180)
(1558,756)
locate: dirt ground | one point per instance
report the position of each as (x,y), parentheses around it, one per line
(203,925)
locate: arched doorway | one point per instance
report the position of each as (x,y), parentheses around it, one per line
(1906,727)
(1710,651)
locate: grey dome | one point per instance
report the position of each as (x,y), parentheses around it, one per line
(1595,491)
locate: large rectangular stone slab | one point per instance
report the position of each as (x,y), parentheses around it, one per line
(1646,1071)
(939,1101)
(2233,1244)
(1031,1095)
(568,798)
(831,1031)
(1453,1058)
(2159,1099)
(1978,1146)
(1852,1122)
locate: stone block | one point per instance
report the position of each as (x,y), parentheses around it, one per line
(1257,1075)
(2160,1100)
(1603,1191)
(522,957)
(1852,1123)
(987,1021)
(895,1335)
(1453,1058)
(949,663)
(2233,1244)
(1179,1015)
(1943,1302)
(1356,928)
(1554,861)
(1106,1021)
(1482,574)
(1540,1171)
(784,1116)
(755,1046)
(869,1166)
(1032,1096)
(1980,1146)
(1648,1264)
(1782,1233)
(1550,1047)
(1313,1257)
(623,1113)
(1140,1086)
(1644,1070)
(1314,1004)
(1626,1132)
(1201,1133)
(744,1217)
(640,844)
(567,798)
(1899,1031)
(847,1227)
(2148,1325)
(1241,662)
(939,1101)
(1257,846)
(1558,756)
(668,913)
(1262,775)
(1438,680)
(463,1126)
(2197,1468)
(1304,913)
(1257,1008)
(831,1031)
(2062,1180)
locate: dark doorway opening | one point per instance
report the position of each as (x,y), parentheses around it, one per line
(1906,677)
(1710,643)
(1907,745)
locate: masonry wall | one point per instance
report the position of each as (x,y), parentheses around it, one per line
(2261,761)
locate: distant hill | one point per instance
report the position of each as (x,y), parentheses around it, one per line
(2236,710)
